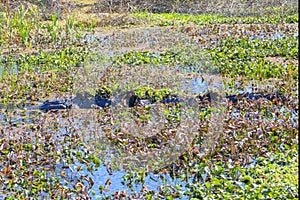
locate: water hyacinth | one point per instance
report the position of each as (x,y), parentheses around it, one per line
(161,105)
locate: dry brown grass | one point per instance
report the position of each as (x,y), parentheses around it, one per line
(226,7)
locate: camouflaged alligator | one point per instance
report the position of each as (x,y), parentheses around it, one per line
(91,101)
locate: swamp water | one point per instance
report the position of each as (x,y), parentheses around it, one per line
(116,162)
(119,144)
(85,124)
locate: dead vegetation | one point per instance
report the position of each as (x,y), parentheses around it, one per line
(225,7)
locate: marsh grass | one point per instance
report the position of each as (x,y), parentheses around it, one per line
(253,156)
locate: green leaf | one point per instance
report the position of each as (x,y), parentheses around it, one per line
(208,185)
(215,181)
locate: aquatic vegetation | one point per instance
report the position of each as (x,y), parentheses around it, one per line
(220,149)
(247,57)
(154,94)
(167,19)
(32,72)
